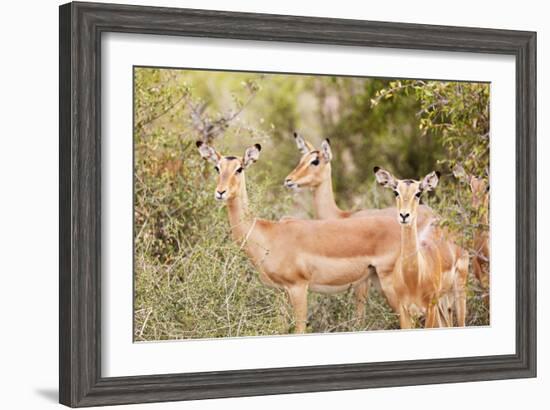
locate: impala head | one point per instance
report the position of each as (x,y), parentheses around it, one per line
(478,185)
(230,169)
(314,165)
(480,191)
(407,192)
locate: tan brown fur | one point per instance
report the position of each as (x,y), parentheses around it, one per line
(299,255)
(430,273)
(481,241)
(480,201)
(318,177)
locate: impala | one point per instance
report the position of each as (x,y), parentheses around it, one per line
(431,271)
(300,255)
(480,202)
(314,171)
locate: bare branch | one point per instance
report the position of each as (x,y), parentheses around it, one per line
(161,114)
(207,128)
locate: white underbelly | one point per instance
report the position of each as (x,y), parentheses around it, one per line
(328,288)
(331,275)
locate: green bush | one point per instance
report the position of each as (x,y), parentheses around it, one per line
(191,279)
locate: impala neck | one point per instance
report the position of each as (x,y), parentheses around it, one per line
(237,209)
(409,253)
(323,197)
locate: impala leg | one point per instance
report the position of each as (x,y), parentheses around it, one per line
(450,322)
(432,316)
(460,291)
(476,267)
(481,275)
(460,306)
(361,291)
(386,283)
(485,281)
(486,286)
(404,318)
(486,266)
(442,317)
(298,298)
(485,277)
(446,311)
(481,271)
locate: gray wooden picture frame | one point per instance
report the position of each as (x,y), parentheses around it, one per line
(81,27)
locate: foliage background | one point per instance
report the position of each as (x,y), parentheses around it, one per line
(191,281)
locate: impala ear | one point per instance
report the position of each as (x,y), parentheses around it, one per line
(460,173)
(251,155)
(303,146)
(207,152)
(430,181)
(326,152)
(385,178)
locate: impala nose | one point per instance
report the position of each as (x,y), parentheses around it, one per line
(220,195)
(404,217)
(288,183)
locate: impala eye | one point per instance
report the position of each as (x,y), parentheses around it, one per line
(396,193)
(418,194)
(217,169)
(315,162)
(239,170)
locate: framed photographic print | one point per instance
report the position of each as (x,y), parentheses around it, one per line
(262,204)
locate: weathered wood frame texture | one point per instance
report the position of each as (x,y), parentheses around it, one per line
(81,27)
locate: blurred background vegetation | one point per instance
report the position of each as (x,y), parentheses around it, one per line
(191,281)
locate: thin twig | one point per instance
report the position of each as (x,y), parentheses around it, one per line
(145,321)
(166,111)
